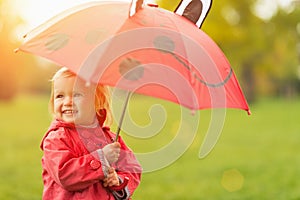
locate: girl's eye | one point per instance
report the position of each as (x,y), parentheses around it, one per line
(77,95)
(59,96)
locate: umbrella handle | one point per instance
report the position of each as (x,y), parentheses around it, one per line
(122,116)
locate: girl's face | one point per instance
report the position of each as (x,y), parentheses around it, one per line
(73,101)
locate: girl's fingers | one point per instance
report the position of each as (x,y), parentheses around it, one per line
(111,170)
(111,179)
(114,183)
(111,182)
(104,184)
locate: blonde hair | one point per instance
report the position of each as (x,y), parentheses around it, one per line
(102,95)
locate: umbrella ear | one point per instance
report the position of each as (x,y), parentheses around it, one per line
(194,10)
(135,6)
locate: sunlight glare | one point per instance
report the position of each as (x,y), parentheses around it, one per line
(265,9)
(35,12)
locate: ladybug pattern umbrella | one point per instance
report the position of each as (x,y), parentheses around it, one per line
(152,51)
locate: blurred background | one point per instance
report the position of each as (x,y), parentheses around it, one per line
(256,157)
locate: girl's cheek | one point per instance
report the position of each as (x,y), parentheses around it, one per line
(83,101)
(57,104)
(77,102)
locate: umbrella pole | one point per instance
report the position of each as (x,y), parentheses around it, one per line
(122,116)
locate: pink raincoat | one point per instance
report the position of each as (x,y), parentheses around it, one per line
(73,166)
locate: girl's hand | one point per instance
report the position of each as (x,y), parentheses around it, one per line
(111,179)
(112,152)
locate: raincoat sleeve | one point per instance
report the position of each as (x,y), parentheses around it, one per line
(66,163)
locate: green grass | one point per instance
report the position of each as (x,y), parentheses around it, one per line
(259,152)
(23,123)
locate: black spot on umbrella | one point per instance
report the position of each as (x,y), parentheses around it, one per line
(92,37)
(164,43)
(57,41)
(131,69)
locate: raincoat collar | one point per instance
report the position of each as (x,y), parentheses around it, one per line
(101,117)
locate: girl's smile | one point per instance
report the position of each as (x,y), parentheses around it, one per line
(68,113)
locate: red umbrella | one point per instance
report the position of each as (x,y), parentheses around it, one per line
(153,52)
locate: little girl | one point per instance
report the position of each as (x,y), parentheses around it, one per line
(81,159)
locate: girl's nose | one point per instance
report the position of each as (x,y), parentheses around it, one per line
(68,101)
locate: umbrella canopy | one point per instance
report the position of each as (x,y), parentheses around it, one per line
(153,52)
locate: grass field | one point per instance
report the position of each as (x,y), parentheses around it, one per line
(256,157)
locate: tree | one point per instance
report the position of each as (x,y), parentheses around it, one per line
(285,56)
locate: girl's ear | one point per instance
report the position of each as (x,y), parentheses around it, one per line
(194,10)
(101,116)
